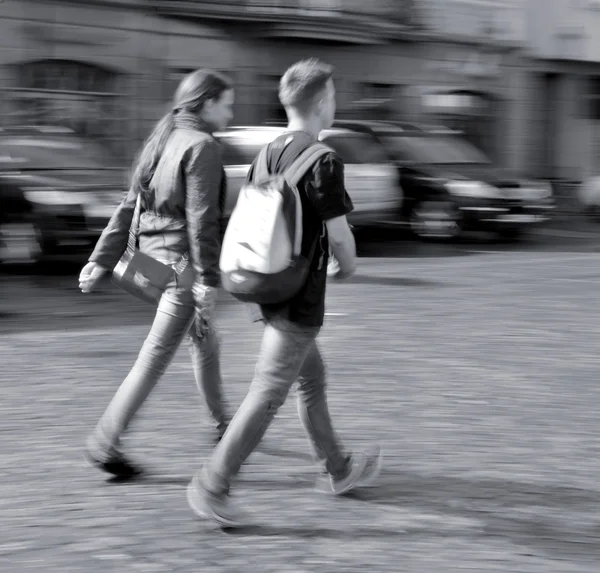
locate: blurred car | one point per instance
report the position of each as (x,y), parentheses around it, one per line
(371,178)
(57,192)
(588,194)
(450,186)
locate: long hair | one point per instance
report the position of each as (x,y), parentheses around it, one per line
(193,91)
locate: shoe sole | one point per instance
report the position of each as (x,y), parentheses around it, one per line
(205,512)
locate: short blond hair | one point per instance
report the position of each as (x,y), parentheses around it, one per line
(303,82)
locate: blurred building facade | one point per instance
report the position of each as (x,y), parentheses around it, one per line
(107,68)
(563,87)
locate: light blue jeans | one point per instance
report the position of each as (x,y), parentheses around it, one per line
(173,322)
(289,352)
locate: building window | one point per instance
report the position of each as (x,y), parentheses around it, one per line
(271,109)
(79,96)
(593,98)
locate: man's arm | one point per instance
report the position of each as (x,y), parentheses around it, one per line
(333,203)
(343,246)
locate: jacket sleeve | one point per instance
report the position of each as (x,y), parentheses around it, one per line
(203,177)
(112,243)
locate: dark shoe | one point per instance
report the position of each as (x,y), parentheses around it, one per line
(115,464)
(218,508)
(221,429)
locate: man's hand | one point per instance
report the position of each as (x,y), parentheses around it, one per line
(335,272)
(90,275)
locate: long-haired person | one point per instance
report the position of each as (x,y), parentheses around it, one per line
(180,177)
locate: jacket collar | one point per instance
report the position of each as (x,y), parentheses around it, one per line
(187,120)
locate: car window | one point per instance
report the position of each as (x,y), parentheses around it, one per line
(357,148)
(232,155)
(436,150)
(240,150)
(401,149)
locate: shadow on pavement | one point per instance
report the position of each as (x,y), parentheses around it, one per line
(552,519)
(393,281)
(314,532)
(555,520)
(439,491)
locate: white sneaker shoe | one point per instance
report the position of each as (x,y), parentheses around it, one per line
(219,509)
(366,467)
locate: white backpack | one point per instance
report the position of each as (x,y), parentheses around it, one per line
(261,258)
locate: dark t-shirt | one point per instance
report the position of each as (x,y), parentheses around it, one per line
(323,197)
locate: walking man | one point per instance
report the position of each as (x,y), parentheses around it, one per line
(289,350)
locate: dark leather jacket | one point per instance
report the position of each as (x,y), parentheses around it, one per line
(181,211)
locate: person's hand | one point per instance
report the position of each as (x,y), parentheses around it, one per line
(90,275)
(333,267)
(335,272)
(205,298)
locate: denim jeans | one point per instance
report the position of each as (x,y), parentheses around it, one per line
(174,320)
(289,352)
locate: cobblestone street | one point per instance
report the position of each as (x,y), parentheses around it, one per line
(478,374)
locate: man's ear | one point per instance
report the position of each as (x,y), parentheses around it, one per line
(320,104)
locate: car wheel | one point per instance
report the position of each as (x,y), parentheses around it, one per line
(436,219)
(21,243)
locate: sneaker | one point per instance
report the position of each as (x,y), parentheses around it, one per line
(217,508)
(115,464)
(373,466)
(365,469)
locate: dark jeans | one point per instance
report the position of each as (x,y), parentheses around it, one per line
(289,352)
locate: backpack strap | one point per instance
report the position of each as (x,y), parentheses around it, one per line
(134,228)
(305,161)
(261,167)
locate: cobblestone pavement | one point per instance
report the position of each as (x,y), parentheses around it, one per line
(477,373)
